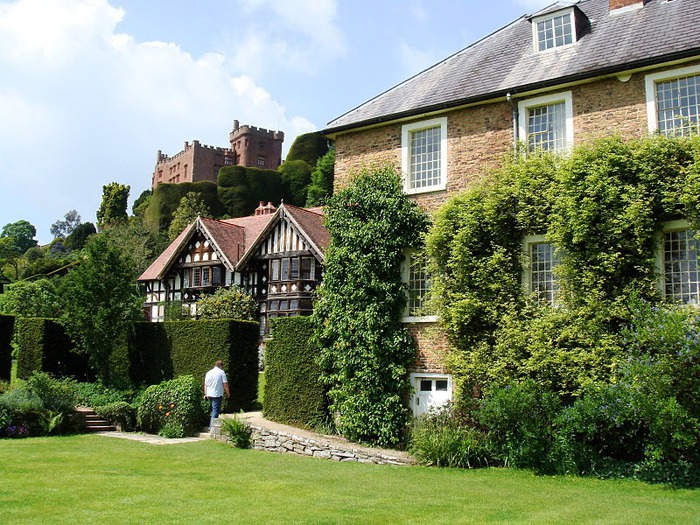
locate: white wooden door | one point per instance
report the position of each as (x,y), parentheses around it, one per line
(430,391)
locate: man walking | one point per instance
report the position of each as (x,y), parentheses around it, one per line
(215,385)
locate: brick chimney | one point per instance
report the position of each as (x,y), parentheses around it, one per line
(619,4)
(264,209)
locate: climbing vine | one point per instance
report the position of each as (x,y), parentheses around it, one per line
(365,351)
(603,207)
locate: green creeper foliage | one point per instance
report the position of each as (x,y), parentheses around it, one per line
(227,303)
(113,206)
(294,393)
(322,176)
(365,350)
(308,147)
(603,207)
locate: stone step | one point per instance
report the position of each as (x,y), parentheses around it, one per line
(93,422)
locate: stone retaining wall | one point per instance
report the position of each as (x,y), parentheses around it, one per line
(286,443)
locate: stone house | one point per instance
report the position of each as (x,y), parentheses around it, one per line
(275,254)
(569,73)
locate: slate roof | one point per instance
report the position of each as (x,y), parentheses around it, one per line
(506,61)
(236,238)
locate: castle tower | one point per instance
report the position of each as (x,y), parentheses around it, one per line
(256,147)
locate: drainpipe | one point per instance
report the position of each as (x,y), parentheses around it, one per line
(516,123)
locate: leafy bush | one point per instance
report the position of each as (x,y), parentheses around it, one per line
(119,413)
(6,329)
(97,395)
(519,421)
(439,438)
(238,432)
(175,403)
(227,303)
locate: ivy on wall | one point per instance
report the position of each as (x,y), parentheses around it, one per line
(365,350)
(603,207)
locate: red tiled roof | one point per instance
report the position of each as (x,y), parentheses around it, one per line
(235,237)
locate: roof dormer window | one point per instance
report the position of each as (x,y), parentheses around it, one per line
(554,29)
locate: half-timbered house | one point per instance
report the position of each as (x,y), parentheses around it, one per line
(275,254)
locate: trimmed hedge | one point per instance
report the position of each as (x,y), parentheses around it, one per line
(44,346)
(176,348)
(6,326)
(294,393)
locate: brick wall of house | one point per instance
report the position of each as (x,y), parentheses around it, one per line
(431,348)
(479,138)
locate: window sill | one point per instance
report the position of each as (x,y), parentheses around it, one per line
(420,319)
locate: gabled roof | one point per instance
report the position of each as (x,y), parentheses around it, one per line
(227,239)
(308,221)
(505,61)
(235,239)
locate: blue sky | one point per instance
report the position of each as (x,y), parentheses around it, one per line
(90,90)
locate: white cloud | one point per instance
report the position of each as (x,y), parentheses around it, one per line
(297,35)
(83,105)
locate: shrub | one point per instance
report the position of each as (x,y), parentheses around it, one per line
(120,413)
(227,303)
(519,421)
(439,438)
(238,432)
(294,393)
(176,402)
(97,395)
(6,329)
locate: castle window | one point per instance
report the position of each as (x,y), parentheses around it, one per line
(261,160)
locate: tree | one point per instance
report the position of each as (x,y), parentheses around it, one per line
(322,176)
(22,233)
(365,350)
(101,301)
(114,203)
(141,203)
(139,243)
(227,303)
(296,175)
(308,147)
(191,206)
(79,236)
(31,299)
(65,227)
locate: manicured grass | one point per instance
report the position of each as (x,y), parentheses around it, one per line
(97,479)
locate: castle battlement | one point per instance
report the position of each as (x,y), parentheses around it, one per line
(251,146)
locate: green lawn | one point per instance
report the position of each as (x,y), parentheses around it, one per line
(96,479)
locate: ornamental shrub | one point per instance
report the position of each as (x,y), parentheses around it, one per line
(227,303)
(443,439)
(175,403)
(519,420)
(238,432)
(6,329)
(364,349)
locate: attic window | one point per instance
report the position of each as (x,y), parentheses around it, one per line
(556,29)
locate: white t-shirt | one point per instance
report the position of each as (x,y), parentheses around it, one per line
(214,382)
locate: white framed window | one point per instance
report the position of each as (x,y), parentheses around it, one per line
(424,155)
(539,271)
(678,261)
(547,122)
(673,101)
(554,30)
(416,277)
